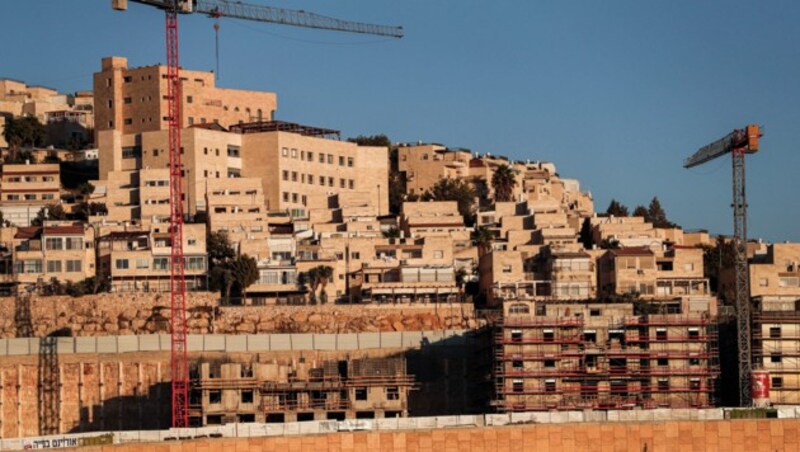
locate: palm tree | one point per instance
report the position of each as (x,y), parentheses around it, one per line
(461,278)
(504,180)
(482,238)
(313,279)
(325,274)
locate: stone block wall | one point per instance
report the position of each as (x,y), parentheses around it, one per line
(128,313)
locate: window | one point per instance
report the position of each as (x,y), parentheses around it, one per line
(516,335)
(74,243)
(189,99)
(294,153)
(294,176)
(549,386)
(233,151)
(285,196)
(285,152)
(694,384)
(662,362)
(777,382)
(48,196)
(350,184)
(142,263)
(127,100)
(775,358)
(161,263)
(310,156)
(215,396)
(549,363)
(663,384)
(392,393)
(775,332)
(548,335)
(518,365)
(350,161)
(519,308)
(517,385)
(661,334)
(30,197)
(121,264)
(322,180)
(247,396)
(342,183)
(29,266)
(53,266)
(54,243)
(694,360)
(361,393)
(506,269)
(294,197)
(341,161)
(155,152)
(330,182)
(694,334)
(594,312)
(330,159)
(438,254)
(127,79)
(792,281)
(355,255)
(285,175)
(128,121)
(74,266)
(132,152)
(763,282)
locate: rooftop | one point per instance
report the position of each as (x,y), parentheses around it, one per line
(283,126)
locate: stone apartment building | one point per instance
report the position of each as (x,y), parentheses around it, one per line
(295,163)
(137,260)
(304,390)
(591,355)
(133,100)
(669,272)
(775,290)
(26,188)
(34,255)
(65,116)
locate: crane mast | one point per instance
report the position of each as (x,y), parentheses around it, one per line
(179,360)
(738,143)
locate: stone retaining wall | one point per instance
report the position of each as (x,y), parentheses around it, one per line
(129,313)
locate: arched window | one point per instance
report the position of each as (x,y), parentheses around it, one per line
(519,308)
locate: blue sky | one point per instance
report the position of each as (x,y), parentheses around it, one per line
(616,93)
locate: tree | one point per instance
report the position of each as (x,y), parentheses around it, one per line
(244,271)
(482,237)
(371,140)
(87,209)
(317,277)
(617,209)
(53,212)
(609,244)
(27,131)
(85,189)
(658,216)
(586,236)
(641,211)
(458,190)
(504,180)
(717,260)
(462,276)
(219,249)
(391,233)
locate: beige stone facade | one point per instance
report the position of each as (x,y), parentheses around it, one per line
(775,288)
(25,189)
(36,255)
(133,100)
(138,260)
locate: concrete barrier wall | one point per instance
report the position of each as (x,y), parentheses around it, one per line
(238,343)
(579,424)
(691,436)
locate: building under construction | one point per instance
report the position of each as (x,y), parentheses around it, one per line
(299,390)
(587,355)
(776,349)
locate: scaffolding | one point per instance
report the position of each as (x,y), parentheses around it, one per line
(243,392)
(776,349)
(636,361)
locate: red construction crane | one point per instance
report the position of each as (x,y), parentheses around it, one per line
(738,143)
(214,8)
